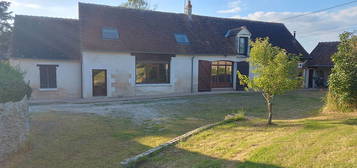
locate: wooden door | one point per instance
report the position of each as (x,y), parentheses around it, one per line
(243,68)
(99,77)
(204,76)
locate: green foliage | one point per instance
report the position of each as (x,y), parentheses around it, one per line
(137,4)
(5,26)
(12,85)
(275,71)
(343,79)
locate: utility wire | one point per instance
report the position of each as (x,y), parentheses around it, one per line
(322,31)
(319,32)
(318,11)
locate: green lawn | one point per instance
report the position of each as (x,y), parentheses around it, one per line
(327,141)
(62,139)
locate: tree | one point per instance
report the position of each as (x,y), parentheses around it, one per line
(137,4)
(275,72)
(343,79)
(5,26)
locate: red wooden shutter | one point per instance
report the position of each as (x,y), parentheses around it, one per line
(204,76)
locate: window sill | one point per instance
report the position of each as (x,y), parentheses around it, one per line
(154,85)
(48,89)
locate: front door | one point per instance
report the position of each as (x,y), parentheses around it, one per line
(204,76)
(243,68)
(99,82)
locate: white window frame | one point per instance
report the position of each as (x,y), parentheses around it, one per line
(246,34)
(56,71)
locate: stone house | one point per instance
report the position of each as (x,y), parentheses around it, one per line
(115,51)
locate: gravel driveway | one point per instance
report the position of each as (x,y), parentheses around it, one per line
(138,111)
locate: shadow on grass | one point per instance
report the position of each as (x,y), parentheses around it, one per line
(173,157)
(350,121)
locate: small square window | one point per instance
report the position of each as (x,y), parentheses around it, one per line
(110,34)
(182,39)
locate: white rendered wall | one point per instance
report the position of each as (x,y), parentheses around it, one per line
(120,72)
(68,77)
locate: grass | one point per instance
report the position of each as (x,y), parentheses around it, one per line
(61,139)
(325,141)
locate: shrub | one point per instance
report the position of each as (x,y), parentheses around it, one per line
(236,115)
(12,85)
(343,79)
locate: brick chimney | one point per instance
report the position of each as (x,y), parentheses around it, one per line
(188,8)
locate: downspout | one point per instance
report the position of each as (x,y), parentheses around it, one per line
(192,59)
(81,53)
(81,59)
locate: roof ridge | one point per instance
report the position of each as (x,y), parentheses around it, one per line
(173,13)
(329,42)
(46,17)
(110,6)
(240,19)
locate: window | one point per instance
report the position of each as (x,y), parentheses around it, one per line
(48,78)
(152,73)
(182,39)
(110,34)
(222,74)
(243,45)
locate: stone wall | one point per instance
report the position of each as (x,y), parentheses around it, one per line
(14,126)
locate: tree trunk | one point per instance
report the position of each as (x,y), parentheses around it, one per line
(270,112)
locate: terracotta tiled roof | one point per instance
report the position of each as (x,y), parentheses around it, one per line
(321,55)
(143,31)
(45,38)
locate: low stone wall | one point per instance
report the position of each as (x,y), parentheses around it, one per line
(14,126)
(131,162)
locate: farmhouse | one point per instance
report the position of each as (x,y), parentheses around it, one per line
(115,51)
(318,68)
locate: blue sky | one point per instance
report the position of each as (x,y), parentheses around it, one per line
(311,29)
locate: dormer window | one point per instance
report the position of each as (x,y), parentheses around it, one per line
(182,39)
(242,45)
(241,37)
(110,34)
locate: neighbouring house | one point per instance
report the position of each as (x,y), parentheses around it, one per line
(115,51)
(318,68)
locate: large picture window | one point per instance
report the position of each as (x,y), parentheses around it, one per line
(48,76)
(152,73)
(152,68)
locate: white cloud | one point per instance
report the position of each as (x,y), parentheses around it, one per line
(233,7)
(33,7)
(311,29)
(17,4)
